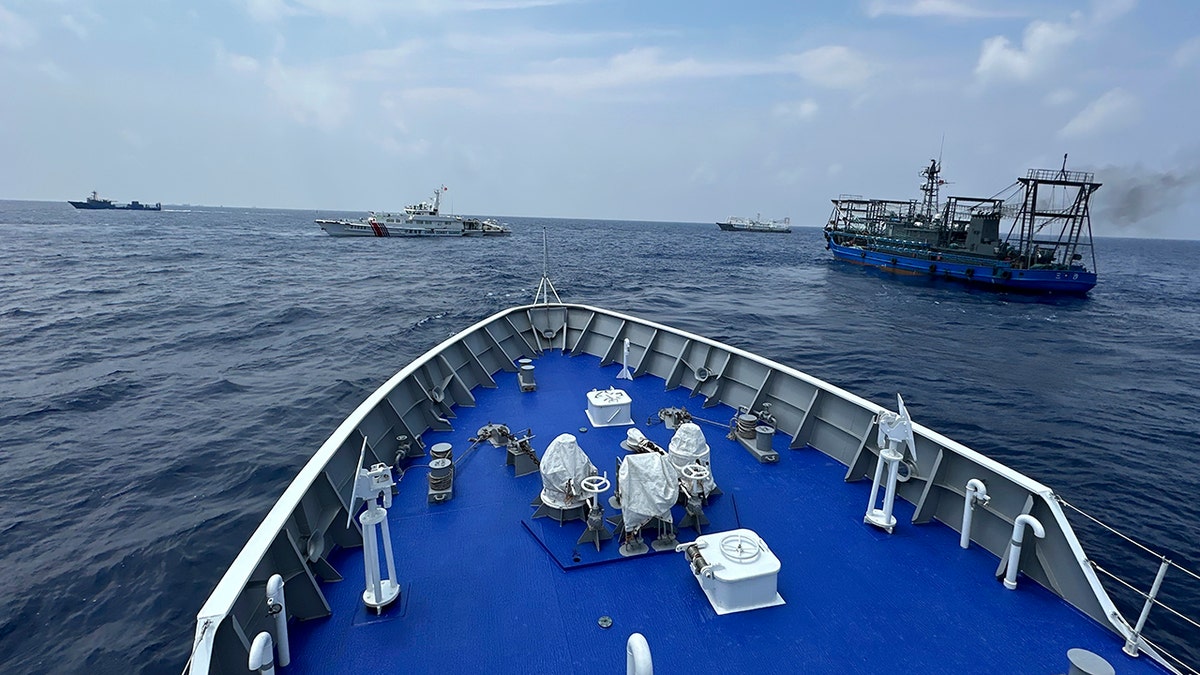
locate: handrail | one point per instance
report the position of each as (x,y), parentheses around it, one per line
(1150,597)
(1122,535)
(1144,594)
(1175,659)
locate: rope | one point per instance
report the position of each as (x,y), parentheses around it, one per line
(203,629)
(1128,539)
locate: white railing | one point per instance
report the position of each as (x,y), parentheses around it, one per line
(1136,638)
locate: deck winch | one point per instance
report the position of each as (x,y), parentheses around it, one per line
(673,417)
(755,431)
(735,569)
(441,473)
(519,453)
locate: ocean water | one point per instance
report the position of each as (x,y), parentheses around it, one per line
(164,375)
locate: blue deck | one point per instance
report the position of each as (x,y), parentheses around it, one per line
(481,593)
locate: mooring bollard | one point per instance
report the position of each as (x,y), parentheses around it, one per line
(976,493)
(1014,552)
(277,605)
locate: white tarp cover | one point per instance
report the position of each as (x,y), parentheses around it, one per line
(687,447)
(649,486)
(564,462)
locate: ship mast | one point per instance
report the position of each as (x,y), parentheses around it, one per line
(929,203)
(545,289)
(1054,226)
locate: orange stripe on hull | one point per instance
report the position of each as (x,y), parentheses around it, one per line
(893,270)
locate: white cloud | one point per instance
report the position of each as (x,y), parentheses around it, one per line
(703,174)
(133,138)
(414,149)
(999,59)
(1104,11)
(1059,97)
(236,62)
(379,64)
(15,32)
(72,24)
(52,70)
(1188,54)
(531,40)
(313,97)
(1116,108)
(951,9)
(268,10)
(796,110)
(643,65)
(1042,43)
(433,95)
(361,11)
(832,66)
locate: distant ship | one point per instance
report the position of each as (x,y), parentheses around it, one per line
(418,220)
(1043,252)
(95,202)
(756,224)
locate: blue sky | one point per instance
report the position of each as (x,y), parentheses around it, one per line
(673,111)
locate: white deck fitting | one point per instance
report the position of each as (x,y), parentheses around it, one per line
(609,408)
(741,574)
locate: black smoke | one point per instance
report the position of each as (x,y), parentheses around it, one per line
(1134,195)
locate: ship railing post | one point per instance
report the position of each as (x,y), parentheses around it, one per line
(1131,643)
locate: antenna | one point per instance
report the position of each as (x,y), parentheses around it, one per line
(940,147)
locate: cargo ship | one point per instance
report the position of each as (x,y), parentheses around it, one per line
(756,224)
(1047,249)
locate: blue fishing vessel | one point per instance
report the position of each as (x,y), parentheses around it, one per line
(1047,248)
(565,488)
